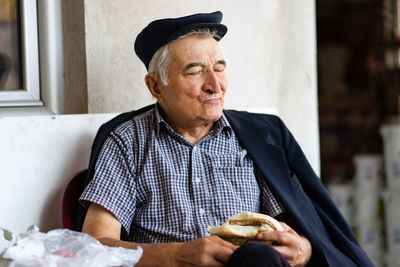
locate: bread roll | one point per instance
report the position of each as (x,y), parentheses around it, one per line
(244,226)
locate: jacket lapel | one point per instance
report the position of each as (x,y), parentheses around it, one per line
(268,158)
(271,161)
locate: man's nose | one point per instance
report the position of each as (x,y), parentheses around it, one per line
(212,82)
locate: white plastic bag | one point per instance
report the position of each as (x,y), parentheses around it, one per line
(64,248)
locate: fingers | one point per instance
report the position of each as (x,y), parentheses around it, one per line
(298,254)
(222,249)
(286,228)
(224,243)
(287,236)
(206,251)
(294,248)
(281,238)
(222,254)
(290,248)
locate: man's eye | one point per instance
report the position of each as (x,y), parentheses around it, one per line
(193,72)
(219,68)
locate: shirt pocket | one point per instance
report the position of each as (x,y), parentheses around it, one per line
(234,159)
(235,190)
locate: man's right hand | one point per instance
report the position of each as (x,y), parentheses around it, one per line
(205,251)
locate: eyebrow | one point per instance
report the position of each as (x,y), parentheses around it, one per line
(191,65)
(196,64)
(222,62)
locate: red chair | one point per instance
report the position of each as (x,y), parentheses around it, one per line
(70,200)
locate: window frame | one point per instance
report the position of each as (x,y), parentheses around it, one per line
(42,62)
(29,95)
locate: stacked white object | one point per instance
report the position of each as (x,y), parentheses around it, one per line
(368,219)
(392,225)
(391,146)
(342,195)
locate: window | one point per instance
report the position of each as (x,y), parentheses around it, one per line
(31,68)
(19,60)
(10,54)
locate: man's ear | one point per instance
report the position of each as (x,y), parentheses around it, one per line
(153,84)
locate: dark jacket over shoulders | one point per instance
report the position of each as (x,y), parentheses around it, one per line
(290,176)
(284,166)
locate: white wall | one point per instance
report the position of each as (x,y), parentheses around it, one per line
(38,156)
(270,49)
(271,55)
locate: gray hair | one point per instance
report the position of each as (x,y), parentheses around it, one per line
(161,59)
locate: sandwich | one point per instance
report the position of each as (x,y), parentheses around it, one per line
(244,226)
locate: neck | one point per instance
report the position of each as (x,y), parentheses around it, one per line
(192,131)
(195,133)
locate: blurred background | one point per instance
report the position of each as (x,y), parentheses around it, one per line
(358,79)
(335,61)
(358,44)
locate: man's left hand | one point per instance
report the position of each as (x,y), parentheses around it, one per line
(295,248)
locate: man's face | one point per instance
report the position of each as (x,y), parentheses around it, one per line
(197,82)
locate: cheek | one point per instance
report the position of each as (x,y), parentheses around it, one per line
(192,88)
(223,81)
(181,91)
(224,85)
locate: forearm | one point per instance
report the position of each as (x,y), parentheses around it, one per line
(206,251)
(153,254)
(103,225)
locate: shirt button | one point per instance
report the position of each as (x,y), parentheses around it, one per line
(194,148)
(197,180)
(202,211)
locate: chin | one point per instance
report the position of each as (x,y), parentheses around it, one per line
(214,115)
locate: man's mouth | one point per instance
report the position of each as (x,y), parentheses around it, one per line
(213,100)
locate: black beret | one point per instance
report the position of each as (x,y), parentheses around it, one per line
(160,32)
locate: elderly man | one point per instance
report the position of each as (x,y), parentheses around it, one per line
(161,175)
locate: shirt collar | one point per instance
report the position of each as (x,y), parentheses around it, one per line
(158,119)
(221,125)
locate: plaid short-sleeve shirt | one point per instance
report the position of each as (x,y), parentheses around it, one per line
(163,189)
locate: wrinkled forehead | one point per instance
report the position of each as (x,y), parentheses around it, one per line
(195,49)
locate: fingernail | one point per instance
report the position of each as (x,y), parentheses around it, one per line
(259,236)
